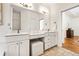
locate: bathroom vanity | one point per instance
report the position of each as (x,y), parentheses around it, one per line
(23,21)
(19,44)
(50,40)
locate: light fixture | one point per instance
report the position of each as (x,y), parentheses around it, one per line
(26,5)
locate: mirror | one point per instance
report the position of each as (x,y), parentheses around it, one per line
(16,20)
(1,13)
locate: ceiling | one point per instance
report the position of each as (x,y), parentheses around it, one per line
(73,12)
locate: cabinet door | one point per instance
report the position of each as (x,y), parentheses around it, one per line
(13,49)
(24,48)
(53,39)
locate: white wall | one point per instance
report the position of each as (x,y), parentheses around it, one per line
(74,23)
(56,13)
(30,21)
(66,19)
(4,28)
(53,16)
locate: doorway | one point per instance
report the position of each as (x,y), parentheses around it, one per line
(70,21)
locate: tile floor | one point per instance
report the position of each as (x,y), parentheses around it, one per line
(59,51)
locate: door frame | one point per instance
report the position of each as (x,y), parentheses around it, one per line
(62,19)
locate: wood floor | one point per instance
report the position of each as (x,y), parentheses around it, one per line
(72,44)
(59,51)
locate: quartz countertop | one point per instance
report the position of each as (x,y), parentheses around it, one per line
(16,34)
(24,33)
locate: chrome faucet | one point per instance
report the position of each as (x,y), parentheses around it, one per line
(18,31)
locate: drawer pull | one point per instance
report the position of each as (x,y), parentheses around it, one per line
(21,42)
(17,43)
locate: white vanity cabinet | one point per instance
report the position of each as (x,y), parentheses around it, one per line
(18,45)
(13,49)
(24,48)
(50,40)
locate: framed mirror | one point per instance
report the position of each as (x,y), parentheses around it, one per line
(1,13)
(16,20)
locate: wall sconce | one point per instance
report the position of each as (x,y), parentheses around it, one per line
(25,5)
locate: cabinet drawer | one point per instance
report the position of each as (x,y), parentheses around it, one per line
(17,38)
(48,39)
(23,37)
(36,36)
(52,34)
(48,45)
(12,39)
(53,43)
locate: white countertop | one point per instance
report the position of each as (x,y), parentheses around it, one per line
(16,34)
(24,33)
(33,36)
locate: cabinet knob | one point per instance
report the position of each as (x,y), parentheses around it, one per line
(21,42)
(17,43)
